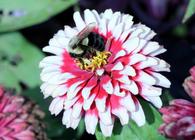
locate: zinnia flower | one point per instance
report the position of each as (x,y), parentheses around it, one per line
(19,118)
(179,120)
(189,84)
(105,85)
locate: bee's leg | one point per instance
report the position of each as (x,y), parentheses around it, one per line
(81,61)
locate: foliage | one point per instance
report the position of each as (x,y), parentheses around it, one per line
(18,61)
(190,10)
(26,13)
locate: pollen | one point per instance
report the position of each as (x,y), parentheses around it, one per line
(97,61)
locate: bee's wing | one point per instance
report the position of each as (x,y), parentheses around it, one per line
(81,35)
(73,41)
(86,31)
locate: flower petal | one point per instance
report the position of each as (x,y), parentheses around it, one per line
(89,17)
(91,121)
(107,84)
(106,129)
(138,116)
(79,21)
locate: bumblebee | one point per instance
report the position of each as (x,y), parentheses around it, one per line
(86,43)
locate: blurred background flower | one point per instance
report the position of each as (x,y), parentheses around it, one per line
(189,84)
(179,116)
(20,118)
(179,120)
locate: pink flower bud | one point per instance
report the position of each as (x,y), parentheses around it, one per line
(179,120)
(189,84)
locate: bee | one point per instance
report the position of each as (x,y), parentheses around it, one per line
(86,43)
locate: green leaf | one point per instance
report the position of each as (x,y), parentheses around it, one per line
(80,129)
(18,14)
(190,10)
(54,127)
(19,61)
(133,132)
(180,31)
(166,97)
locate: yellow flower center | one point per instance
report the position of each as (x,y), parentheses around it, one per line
(97,61)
